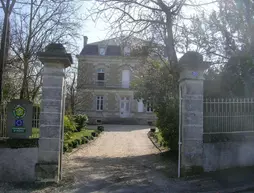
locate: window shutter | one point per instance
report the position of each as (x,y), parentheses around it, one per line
(140,106)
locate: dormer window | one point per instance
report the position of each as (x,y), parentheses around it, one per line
(102,51)
(127,51)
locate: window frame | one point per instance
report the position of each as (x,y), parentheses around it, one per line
(149,107)
(104,51)
(100,82)
(99,103)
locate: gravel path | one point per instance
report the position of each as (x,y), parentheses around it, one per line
(122,159)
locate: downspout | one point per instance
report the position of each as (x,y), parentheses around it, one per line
(62,130)
(179,133)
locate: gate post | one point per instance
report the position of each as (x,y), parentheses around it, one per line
(55,60)
(191,81)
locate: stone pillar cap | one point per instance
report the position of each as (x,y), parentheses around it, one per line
(55,52)
(193,61)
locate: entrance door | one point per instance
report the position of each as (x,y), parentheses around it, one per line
(124,107)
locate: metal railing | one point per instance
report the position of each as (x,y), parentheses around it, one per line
(228,115)
(35,122)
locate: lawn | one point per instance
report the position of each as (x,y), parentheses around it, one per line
(79,135)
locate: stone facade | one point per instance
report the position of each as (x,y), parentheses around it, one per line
(112,89)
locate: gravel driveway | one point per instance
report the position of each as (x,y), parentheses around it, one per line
(122,159)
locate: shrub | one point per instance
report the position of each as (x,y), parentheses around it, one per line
(152,130)
(94,134)
(69,124)
(67,135)
(65,147)
(74,144)
(167,123)
(84,140)
(78,141)
(70,146)
(100,128)
(81,121)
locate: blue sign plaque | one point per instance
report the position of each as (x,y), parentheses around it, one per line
(19,123)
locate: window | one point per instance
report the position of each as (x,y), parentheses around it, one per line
(102,51)
(99,103)
(127,51)
(100,77)
(149,107)
(125,78)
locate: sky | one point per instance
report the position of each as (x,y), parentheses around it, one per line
(94,31)
(97,31)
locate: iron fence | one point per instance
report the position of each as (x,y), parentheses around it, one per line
(35,122)
(228,115)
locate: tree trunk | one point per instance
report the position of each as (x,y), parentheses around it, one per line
(23,91)
(172,58)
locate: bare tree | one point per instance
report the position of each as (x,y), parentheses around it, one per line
(7,8)
(36,23)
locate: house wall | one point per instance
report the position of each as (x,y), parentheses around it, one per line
(113,77)
(111,111)
(112,92)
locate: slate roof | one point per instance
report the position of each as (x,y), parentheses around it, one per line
(113,51)
(113,46)
(90,50)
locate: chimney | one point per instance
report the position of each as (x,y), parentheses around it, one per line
(85,40)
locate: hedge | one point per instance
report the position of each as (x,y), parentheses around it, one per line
(79,138)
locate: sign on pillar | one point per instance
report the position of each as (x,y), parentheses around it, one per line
(19,118)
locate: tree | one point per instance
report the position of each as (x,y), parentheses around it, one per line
(7,8)
(225,38)
(35,24)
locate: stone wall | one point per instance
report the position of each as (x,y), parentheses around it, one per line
(18,164)
(228,151)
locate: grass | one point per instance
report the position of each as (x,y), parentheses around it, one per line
(35,133)
(79,135)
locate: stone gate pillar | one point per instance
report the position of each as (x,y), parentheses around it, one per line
(192,69)
(55,60)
